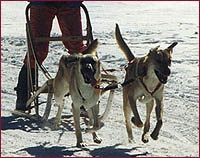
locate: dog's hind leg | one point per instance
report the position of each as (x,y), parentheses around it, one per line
(76,115)
(149,107)
(136,119)
(60,102)
(159,113)
(127,115)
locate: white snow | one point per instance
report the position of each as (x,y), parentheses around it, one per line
(143,25)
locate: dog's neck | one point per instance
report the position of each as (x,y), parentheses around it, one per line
(138,66)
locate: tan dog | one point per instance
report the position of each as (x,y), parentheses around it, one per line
(148,75)
(78,75)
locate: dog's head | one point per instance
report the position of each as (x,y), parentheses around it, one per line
(86,63)
(161,61)
(89,64)
(90,69)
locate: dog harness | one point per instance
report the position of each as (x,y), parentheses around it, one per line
(144,85)
(156,88)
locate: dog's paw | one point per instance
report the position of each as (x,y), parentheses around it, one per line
(137,122)
(145,138)
(56,124)
(81,145)
(97,140)
(154,136)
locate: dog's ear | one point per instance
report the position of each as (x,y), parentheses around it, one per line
(91,48)
(154,49)
(170,48)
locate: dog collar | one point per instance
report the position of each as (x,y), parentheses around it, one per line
(96,86)
(136,66)
(133,60)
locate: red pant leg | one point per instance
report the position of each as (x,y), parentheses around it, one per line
(69,20)
(41,19)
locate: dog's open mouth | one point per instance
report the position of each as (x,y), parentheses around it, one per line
(89,79)
(162,77)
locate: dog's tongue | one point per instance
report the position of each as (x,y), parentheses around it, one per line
(93,82)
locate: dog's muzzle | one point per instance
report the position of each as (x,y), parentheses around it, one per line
(163,74)
(88,72)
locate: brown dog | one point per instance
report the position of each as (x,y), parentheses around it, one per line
(148,75)
(78,75)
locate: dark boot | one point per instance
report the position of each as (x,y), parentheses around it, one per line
(22,89)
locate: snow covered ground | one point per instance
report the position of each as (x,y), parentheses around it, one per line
(144,25)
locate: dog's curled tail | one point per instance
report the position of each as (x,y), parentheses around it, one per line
(122,44)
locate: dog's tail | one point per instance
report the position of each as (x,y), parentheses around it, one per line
(122,44)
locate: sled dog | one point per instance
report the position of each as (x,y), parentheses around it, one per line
(149,74)
(78,75)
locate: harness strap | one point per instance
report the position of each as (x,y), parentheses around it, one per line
(151,93)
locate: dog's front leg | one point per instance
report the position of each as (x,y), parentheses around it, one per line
(76,115)
(136,119)
(94,123)
(97,124)
(95,111)
(159,113)
(149,107)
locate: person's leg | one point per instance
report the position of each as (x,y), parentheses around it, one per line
(69,20)
(21,89)
(41,18)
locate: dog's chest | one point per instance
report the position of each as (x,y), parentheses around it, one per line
(150,80)
(86,96)
(86,92)
(149,85)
